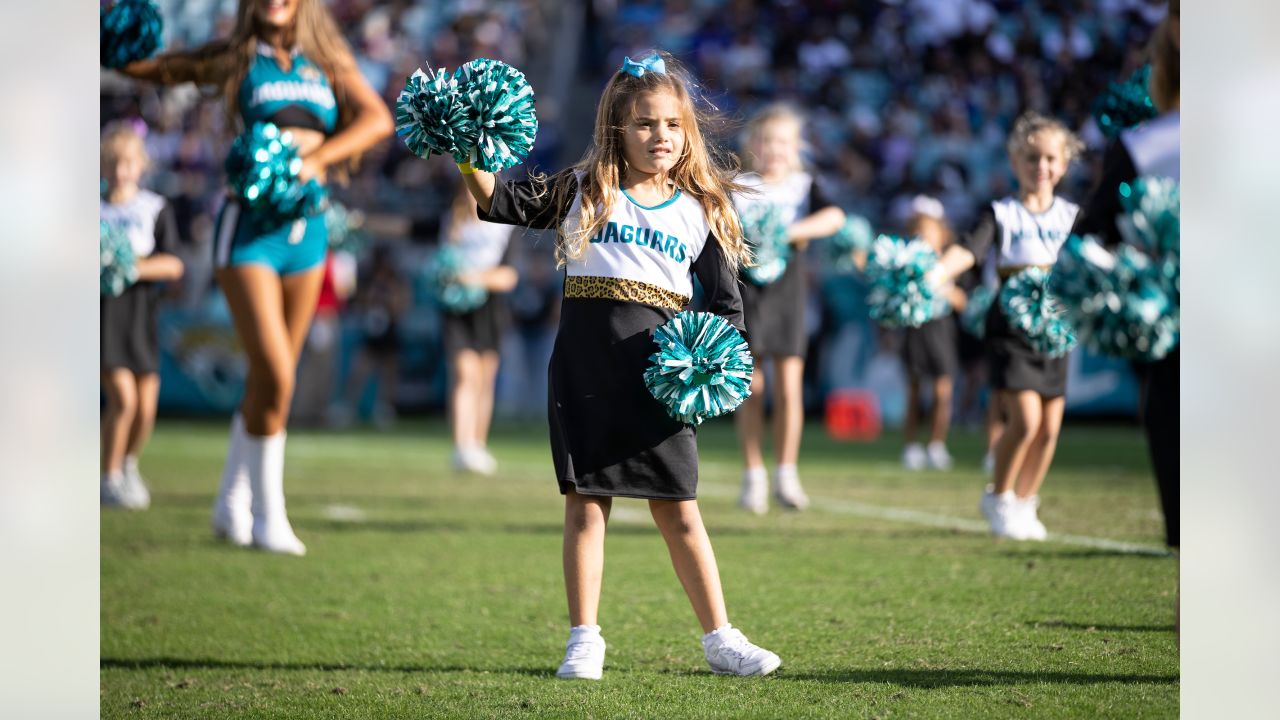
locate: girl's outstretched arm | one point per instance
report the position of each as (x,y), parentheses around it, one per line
(481,184)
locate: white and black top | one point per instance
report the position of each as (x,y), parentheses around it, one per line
(128,322)
(1020,238)
(609,436)
(483,246)
(775,312)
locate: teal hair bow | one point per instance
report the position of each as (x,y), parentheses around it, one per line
(654,64)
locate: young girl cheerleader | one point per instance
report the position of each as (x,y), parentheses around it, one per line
(473,338)
(1027,230)
(930,354)
(643,212)
(130,349)
(775,311)
(286,62)
(1151,149)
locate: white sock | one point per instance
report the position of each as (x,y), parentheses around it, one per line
(755,475)
(786,471)
(578,631)
(706,639)
(131,464)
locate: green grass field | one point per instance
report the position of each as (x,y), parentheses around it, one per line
(429,595)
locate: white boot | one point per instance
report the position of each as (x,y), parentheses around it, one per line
(232,517)
(264,457)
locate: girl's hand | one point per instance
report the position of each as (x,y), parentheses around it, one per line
(311,168)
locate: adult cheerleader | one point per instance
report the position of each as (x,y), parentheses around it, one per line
(130,349)
(1027,230)
(774,307)
(285,62)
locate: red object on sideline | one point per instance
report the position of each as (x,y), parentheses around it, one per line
(853,415)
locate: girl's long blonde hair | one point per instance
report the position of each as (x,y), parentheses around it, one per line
(704,171)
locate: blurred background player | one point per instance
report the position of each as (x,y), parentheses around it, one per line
(775,312)
(130,348)
(381,300)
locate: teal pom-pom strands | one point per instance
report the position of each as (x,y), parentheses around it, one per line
(1117,302)
(129,30)
(1037,313)
(442,272)
(1152,222)
(118,268)
(501,103)
(262,169)
(899,295)
(766,236)
(1125,104)
(345,227)
(702,368)
(854,235)
(482,113)
(973,319)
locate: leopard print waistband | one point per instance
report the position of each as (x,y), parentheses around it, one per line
(607,288)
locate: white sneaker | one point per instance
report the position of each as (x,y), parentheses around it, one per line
(112,492)
(488,463)
(755,491)
(135,490)
(1001,512)
(729,652)
(989,464)
(939,458)
(787,490)
(1032,528)
(913,457)
(473,460)
(583,654)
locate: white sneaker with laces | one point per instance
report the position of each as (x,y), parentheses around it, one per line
(787,489)
(583,654)
(938,457)
(1032,528)
(729,652)
(913,457)
(1001,512)
(755,491)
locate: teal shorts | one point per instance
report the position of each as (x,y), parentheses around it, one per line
(291,248)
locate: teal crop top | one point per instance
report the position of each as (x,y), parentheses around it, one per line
(301,97)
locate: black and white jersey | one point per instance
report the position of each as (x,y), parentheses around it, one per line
(797,196)
(482,245)
(146,219)
(1019,236)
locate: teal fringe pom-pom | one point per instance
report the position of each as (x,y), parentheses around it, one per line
(118,268)
(345,227)
(129,30)
(1125,104)
(1117,302)
(262,169)
(899,296)
(1037,313)
(1153,223)
(702,368)
(432,118)
(766,236)
(973,319)
(500,102)
(854,236)
(442,276)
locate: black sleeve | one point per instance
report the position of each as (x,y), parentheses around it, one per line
(1098,214)
(166,230)
(719,284)
(818,197)
(979,240)
(538,203)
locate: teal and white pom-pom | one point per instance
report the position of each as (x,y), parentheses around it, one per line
(500,102)
(1152,222)
(118,268)
(1125,104)
(899,295)
(973,319)
(442,276)
(702,368)
(1117,302)
(1034,311)
(345,227)
(431,116)
(766,236)
(855,235)
(129,30)
(262,169)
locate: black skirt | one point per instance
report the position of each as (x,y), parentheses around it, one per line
(609,436)
(775,312)
(127,325)
(1015,365)
(480,330)
(931,350)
